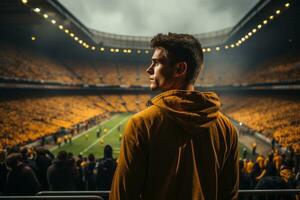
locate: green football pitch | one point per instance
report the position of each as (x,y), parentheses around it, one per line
(88,142)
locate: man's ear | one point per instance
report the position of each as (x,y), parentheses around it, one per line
(180,69)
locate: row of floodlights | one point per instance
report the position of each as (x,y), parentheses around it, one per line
(250,33)
(205,50)
(76,38)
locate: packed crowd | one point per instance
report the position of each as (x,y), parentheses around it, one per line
(27,171)
(275,117)
(26,63)
(28,119)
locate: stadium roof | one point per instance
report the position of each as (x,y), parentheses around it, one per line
(147,18)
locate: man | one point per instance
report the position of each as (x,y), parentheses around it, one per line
(182,146)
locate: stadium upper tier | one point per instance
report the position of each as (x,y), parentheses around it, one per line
(26,63)
(125,41)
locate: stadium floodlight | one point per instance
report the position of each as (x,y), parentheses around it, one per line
(80,41)
(226,46)
(61,27)
(138,51)
(271,17)
(102,49)
(72,34)
(241,123)
(117,50)
(37,10)
(24,1)
(277,12)
(250,33)
(265,21)
(87,46)
(203,50)
(254,30)
(217,48)
(76,38)
(237,44)
(125,50)
(45,16)
(112,50)
(53,21)
(66,31)
(93,48)
(287,5)
(246,37)
(259,26)
(129,50)
(208,49)
(243,39)
(33,38)
(146,51)
(232,45)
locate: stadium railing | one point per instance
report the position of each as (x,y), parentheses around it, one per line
(242,193)
(102,194)
(56,197)
(269,193)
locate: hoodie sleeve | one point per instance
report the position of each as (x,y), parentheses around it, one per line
(229,177)
(130,174)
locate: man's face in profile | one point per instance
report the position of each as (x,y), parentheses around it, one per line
(160,71)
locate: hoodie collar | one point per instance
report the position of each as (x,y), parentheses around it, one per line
(190,109)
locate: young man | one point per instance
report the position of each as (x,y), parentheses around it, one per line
(182,146)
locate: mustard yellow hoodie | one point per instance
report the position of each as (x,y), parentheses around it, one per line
(181,147)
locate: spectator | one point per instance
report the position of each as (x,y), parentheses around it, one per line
(90,173)
(21,180)
(3,170)
(62,174)
(105,169)
(43,160)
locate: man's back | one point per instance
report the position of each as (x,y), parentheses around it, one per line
(181,147)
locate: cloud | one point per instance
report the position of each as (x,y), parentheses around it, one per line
(146,18)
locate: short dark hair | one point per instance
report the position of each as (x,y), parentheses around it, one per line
(181,48)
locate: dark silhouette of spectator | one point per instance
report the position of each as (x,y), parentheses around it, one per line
(28,158)
(245,180)
(256,172)
(106,169)
(288,175)
(3,170)
(90,173)
(21,180)
(80,183)
(43,161)
(62,174)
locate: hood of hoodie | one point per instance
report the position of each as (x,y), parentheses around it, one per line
(191,110)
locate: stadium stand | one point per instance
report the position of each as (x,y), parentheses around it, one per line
(23,62)
(29,119)
(275,117)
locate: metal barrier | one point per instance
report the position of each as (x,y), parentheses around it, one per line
(270,194)
(56,197)
(243,194)
(102,194)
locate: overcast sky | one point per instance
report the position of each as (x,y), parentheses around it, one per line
(149,17)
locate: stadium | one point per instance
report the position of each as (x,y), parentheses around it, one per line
(67,87)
